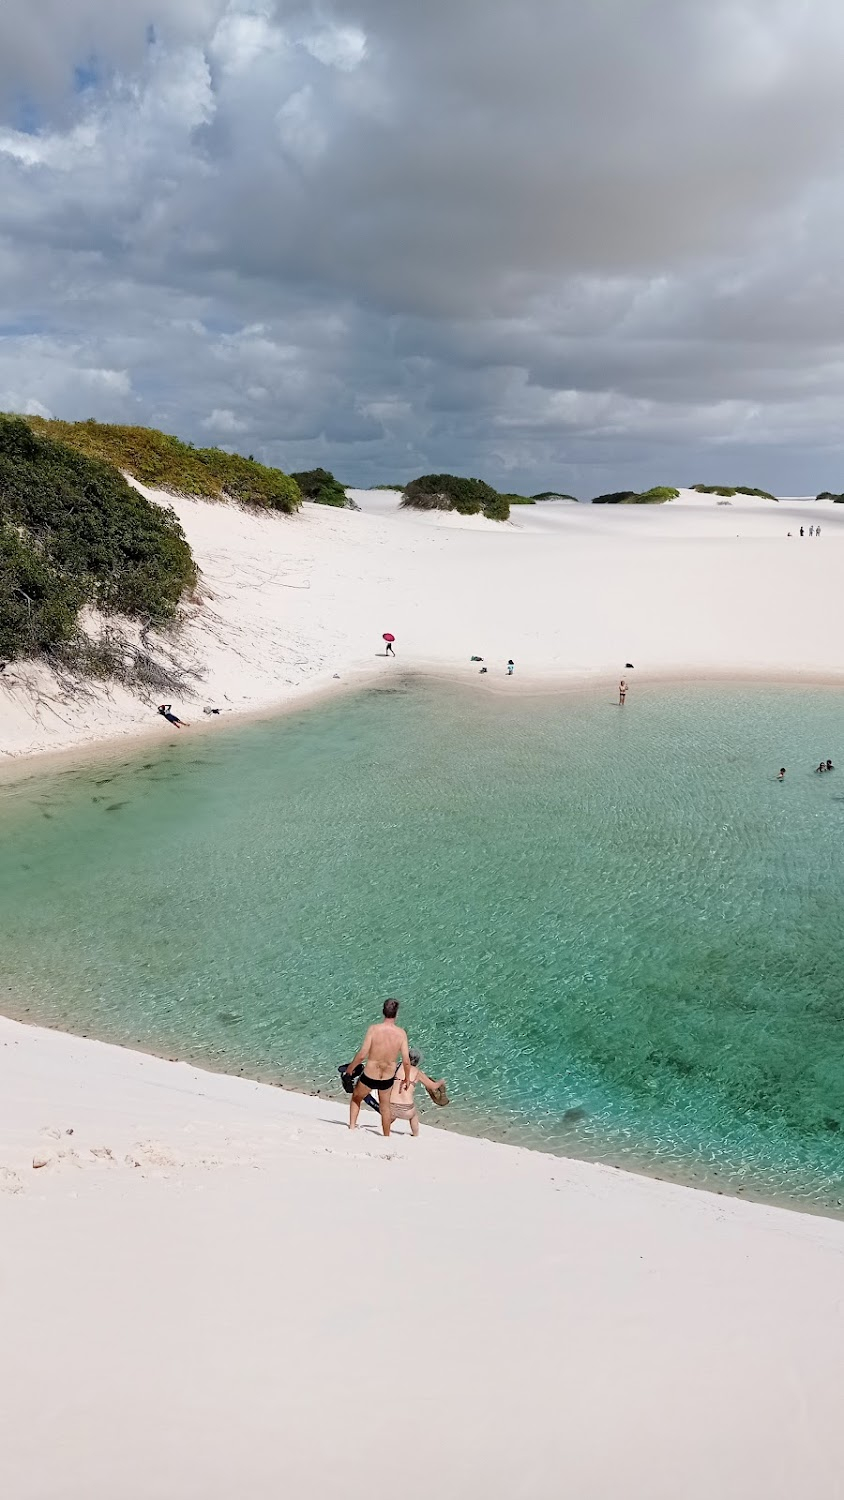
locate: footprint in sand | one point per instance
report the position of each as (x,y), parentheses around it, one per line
(10,1182)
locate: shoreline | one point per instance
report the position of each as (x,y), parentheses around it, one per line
(190,1257)
(288,1085)
(16,766)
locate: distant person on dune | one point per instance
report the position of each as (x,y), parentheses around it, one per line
(402,1106)
(166,711)
(382,1046)
(622,692)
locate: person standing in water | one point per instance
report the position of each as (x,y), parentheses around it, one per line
(402,1106)
(622,691)
(380,1050)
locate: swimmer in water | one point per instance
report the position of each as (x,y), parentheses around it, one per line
(781,776)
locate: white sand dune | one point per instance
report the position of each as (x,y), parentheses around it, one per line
(571,592)
(212,1290)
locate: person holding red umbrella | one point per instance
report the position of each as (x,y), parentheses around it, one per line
(389,639)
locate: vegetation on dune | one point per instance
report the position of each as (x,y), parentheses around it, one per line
(320,486)
(74,533)
(471,497)
(519,499)
(656,496)
(164,462)
(830,495)
(553,495)
(731,489)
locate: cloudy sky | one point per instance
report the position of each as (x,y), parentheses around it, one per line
(554,243)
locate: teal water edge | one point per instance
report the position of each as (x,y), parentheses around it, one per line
(612,930)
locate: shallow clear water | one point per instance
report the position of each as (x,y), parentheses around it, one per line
(613,931)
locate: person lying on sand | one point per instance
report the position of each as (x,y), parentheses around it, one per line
(382,1046)
(402,1106)
(166,711)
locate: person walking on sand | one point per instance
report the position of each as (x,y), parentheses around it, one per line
(380,1050)
(817,531)
(811,530)
(622,691)
(402,1106)
(511,667)
(802,533)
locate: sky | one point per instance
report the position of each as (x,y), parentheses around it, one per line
(551,243)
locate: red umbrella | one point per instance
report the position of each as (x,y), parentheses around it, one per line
(387,637)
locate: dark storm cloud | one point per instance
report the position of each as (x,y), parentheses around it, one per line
(549,242)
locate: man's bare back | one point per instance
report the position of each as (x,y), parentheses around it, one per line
(383,1045)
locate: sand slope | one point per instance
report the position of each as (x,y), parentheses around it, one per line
(242,1295)
(569,591)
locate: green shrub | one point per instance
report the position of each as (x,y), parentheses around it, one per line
(520,499)
(829,495)
(451,492)
(553,495)
(732,489)
(320,486)
(657,496)
(73,532)
(163,462)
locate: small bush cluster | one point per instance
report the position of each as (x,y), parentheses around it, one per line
(731,489)
(320,486)
(656,496)
(164,462)
(471,497)
(829,495)
(73,532)
(553,495)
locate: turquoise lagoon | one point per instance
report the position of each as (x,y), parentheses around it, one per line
(613,931)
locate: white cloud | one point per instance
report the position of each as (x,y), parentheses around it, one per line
(342,47)
(224,420)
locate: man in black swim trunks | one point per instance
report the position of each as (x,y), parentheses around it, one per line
(382,1046)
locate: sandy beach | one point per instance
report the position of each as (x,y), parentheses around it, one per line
(296,606)
(210,1288)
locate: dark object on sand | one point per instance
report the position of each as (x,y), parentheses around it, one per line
(629,666)
(210,710)
(349,1080)
(476,658)
(483,669)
